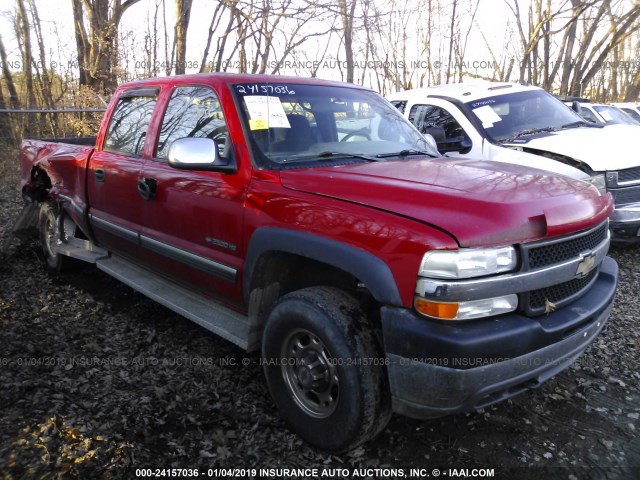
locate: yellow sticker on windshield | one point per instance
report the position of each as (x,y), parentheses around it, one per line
(258,124)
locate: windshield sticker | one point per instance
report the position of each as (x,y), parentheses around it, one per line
(483,102)
(487,116)
(266,112)
(253,88)
(606,115)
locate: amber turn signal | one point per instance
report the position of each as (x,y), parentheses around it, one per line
(445,311)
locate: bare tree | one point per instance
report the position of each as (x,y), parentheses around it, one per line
(216,19)
(451,39)
(183,14)
(44,77)
(6,123)
(23,33)
(97,49)
(591,60)
(347,10)
(7,76)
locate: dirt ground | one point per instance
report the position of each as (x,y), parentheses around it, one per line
(96,381)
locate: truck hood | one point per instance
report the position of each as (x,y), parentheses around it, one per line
(612,147)
(480,203)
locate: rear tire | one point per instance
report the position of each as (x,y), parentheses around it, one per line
(326,369)
(49,236)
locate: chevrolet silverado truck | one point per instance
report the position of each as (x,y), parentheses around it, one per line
(309,221)
(525,125)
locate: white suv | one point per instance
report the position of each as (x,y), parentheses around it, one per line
(631,109)
(602,113)
(525,125)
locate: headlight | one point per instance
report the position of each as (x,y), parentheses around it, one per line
(468,263)
(599,182)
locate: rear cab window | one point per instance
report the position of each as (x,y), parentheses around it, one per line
(130,121)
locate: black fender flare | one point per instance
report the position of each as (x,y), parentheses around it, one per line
(371,270)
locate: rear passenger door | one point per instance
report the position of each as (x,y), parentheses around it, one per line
(193,220)
(115,204)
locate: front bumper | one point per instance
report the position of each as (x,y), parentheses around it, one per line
(625,223)
(439,368)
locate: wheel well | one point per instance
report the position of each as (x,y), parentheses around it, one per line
(278,273)
(38,189)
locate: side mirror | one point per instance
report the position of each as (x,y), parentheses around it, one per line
(437,133)
(198,154)
(575,106)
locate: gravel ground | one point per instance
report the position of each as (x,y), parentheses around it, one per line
(98,381)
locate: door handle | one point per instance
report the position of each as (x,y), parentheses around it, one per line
(99,174)
(147,188)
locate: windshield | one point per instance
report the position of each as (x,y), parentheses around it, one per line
(632,113)
(298,123)
(505,116)
(614,115)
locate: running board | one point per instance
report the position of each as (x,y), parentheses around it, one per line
(75,247)
(81,249)
(207,313)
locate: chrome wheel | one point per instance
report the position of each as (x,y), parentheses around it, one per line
(310,374)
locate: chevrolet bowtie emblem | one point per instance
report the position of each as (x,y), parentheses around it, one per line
(586,265)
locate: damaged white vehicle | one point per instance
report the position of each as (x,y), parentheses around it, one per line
(525,125)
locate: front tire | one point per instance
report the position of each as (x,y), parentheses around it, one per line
(326,369)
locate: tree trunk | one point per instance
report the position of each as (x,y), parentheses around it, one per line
(98,49)
(347,12)
(183,14)
(23,30)
(14,101)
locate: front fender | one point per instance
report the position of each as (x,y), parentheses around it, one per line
(369,269)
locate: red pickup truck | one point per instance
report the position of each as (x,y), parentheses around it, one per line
(308,220)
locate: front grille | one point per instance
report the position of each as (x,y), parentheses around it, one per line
(629,175)
(558,295)
(625,196)
(562,250)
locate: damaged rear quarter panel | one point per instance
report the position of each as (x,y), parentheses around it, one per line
(65,165)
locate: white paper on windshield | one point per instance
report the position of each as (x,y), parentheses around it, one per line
(487,116)
(265,112)
(606,115)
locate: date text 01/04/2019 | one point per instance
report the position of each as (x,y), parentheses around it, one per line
(317,472)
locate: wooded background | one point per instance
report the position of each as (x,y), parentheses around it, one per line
(583,48)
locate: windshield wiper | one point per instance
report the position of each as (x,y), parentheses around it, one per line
(407,152)
(532,131)
(323,155)
(581,123)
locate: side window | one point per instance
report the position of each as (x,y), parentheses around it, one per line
(588,115)
(428,117)
(193,112)
(129,123)
(399,104)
